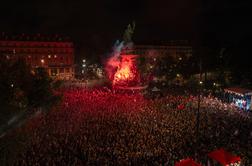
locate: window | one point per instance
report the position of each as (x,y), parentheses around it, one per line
(67,70)
(61,70)
(54,72)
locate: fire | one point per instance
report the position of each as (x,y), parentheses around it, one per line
(126,73)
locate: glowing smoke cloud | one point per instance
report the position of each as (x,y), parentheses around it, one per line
(113,62)
(126,74)
(121,70)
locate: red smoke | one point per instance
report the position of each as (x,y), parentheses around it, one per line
(123,71)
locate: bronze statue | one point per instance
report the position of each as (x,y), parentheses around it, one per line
(127,36)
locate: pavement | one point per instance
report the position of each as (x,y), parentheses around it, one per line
(17,121)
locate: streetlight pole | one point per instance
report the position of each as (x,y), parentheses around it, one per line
(199,100)
(83,67)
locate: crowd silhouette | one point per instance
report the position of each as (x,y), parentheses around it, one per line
(101,127)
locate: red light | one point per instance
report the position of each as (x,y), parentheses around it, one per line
(126,73)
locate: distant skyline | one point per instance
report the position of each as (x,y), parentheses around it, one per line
(97,24)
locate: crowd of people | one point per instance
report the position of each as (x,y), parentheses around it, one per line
(102,127)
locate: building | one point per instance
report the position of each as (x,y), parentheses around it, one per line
(164,61)
(175,49)
(57,57)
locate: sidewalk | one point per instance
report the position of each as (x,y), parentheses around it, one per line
(17,121)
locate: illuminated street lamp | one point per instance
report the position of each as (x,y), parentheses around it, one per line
(199,99)
(84,65)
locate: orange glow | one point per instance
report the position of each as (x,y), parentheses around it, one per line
(123,73)
(126,72)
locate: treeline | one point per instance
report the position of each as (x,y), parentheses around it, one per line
(23,88)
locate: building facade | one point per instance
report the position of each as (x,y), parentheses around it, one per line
(175,52)
(165,61)
(174,49)
(57,57)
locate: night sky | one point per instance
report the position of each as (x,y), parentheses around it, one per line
(94,25)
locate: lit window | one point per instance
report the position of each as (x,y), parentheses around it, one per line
(54,72)
(49,56)
(55,56)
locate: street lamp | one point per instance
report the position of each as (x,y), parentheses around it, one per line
(199,99)
(83,66)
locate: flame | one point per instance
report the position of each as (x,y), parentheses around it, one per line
(126,72)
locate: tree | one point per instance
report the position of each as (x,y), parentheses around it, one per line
(23,90)
(41,94)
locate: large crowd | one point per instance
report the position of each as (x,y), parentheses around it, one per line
(102,127)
